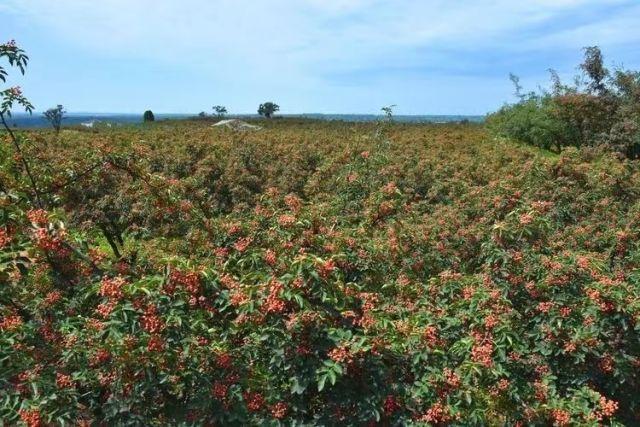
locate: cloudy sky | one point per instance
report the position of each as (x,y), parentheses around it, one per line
(328,56)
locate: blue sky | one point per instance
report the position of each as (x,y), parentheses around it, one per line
(326,56)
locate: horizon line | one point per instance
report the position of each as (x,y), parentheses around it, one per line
(251,114)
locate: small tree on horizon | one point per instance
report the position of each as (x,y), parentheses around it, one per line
(148,116)
(55,116)
(268,109)
(220,110)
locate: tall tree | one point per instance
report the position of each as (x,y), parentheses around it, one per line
(268,109)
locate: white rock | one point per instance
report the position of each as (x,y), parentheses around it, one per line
(236,124)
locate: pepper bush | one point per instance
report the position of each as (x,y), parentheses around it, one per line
(316,273)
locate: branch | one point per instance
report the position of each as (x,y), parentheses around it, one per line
(32,180)
(72,180)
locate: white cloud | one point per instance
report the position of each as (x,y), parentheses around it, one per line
(169,28)
(615,29)
(296,44)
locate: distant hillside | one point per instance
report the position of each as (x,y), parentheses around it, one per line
(73,119)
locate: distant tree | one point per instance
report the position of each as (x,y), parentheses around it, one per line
(55,116)
(148,116)
(220,110)
(267,109)
(202,114)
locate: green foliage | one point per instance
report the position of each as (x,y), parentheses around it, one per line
(605,112)
(13,95)
(8,97)
(531,121)
(148,116)
(268,109)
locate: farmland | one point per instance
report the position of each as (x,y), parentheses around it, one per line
(316,273)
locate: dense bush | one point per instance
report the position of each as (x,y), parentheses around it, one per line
(603,109)
(317,273)
(314,273)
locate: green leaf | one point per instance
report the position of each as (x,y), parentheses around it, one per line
(321,382)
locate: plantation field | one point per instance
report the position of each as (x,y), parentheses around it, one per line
(316,273)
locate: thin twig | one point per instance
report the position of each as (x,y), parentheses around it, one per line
(34,187)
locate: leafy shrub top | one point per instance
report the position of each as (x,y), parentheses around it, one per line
(602,109)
